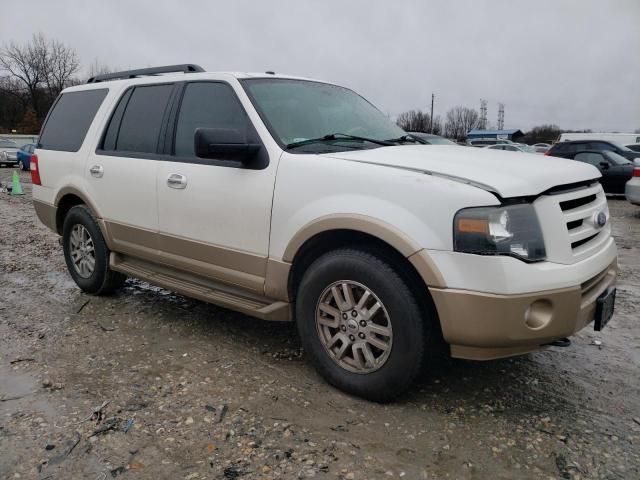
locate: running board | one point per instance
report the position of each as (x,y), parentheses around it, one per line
(204,289)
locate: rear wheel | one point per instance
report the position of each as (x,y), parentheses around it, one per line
(86,253)
(360,324)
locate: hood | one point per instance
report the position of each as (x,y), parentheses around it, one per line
(509,174)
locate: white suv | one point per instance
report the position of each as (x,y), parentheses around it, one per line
(286,198)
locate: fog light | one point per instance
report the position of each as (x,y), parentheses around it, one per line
(539,314)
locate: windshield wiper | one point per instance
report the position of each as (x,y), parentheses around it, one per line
(337,136)
(403,139)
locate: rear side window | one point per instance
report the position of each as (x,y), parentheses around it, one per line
(603,146)
(206,105)
(70,119)
(137,120)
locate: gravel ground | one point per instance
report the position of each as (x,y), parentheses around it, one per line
(192,391)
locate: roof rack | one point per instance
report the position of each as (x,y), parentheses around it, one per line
(185,68)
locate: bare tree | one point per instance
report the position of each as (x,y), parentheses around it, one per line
(459,121)
(22,62)
(38,70)
(542,133)
(417,121)
(414,121)
(59,66)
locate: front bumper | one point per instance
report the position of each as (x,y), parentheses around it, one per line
(485,326)
(632,190)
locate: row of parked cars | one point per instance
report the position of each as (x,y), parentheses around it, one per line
(620,175)
(13,155)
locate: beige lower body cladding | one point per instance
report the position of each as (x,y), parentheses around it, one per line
(485,326)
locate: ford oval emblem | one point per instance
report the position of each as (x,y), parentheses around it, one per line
(600,219)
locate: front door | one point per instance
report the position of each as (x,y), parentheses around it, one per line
(214,215)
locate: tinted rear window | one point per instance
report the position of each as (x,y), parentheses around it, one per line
(69,120)
(142,119)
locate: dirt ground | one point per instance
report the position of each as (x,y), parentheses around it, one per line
(193,391)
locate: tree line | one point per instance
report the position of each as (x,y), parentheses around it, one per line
(32,75)
(459,120)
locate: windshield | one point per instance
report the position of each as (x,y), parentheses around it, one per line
(621,147)
(298,110)
(8,144)
(617,159)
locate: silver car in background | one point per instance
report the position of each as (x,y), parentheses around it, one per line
(8,152)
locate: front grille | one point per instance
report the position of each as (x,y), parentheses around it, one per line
(576,202)
(579,243)
(574,224)
(579,209)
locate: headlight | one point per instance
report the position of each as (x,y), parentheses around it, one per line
(508,230)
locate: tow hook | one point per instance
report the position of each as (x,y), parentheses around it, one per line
(563,342)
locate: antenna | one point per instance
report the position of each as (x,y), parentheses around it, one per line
(483,114)
(501,116)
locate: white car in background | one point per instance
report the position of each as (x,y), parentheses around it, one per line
(632,187)
(512,147)
(541,147)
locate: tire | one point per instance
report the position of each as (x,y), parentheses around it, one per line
(20,165)
(80,223)
(394,369)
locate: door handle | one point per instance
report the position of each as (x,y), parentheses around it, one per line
(97,171)
(175,180)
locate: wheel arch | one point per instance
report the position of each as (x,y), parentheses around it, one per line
(376,237)
(69,197)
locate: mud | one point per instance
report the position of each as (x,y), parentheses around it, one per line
(192,391)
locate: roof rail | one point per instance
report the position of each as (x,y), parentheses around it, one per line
(185,68)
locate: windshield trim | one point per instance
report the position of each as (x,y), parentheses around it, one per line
(244,82)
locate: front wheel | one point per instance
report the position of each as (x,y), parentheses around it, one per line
(360,324)
(20,165)
(86,253)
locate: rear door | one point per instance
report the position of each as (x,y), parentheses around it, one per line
(214,215)
(67,136)
(121,173)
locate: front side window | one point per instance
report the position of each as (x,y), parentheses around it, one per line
(206,105)
(70,119)
(298,110)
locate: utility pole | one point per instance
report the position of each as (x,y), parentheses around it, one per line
(432,97)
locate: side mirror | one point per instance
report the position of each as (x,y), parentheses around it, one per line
(604,165)
(224,144)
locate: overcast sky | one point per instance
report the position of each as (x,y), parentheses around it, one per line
(572,63)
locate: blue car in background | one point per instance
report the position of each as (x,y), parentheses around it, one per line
(24,155)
